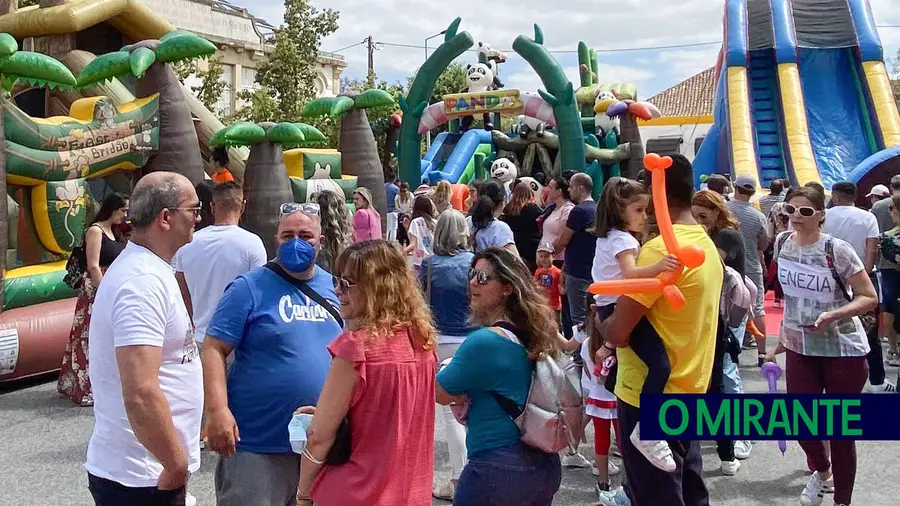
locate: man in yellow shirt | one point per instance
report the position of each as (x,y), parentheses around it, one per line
(689,338)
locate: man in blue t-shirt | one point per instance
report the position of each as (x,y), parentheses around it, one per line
(279,337)
(579,243)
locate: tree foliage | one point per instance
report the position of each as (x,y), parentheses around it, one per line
(379,117)
(211,86)
(451,80)
(28,3)
(290,72)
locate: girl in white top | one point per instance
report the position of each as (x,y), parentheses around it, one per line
(622,214)
(421,231)
(599,403)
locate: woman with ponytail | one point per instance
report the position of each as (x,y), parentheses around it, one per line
(485,227)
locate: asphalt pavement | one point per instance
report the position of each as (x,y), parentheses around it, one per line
(43,438)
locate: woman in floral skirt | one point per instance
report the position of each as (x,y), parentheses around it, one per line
(101,247)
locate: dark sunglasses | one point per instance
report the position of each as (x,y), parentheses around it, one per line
(804,211)
(480,277)
(344,284)
(292,207)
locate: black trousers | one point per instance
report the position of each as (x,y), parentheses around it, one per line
(655,487)
(876,354)
(110,493)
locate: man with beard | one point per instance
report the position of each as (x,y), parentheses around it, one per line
(278,319)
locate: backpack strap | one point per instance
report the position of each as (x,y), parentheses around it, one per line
(430,261)
(508,405)
(783,239)
(829,258)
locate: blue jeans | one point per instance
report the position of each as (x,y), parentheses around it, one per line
(731,374)
(576,295)
(515,475)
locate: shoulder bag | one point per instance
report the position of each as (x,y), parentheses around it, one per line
(340,449)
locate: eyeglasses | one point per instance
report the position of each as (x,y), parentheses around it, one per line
(344,284)
(293,207)
(195,209)
(804,211)
(480,277)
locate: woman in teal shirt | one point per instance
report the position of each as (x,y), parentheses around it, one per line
(501,469)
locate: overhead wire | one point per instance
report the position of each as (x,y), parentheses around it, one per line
(569,51)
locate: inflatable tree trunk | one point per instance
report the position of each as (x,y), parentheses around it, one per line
(179,148)
(266,181)
(359,157)
(359,151)
(266,187)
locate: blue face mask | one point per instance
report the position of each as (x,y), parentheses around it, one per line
(296,255)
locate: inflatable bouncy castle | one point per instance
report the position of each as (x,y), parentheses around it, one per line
(802,94)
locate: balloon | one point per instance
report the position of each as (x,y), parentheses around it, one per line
(770,372)
(691,256)
(626,286)
(617,109)
(673,296)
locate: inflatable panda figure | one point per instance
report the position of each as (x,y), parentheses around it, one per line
(603,123)
(480,78)
(504,171)
(527,124)
(535,187)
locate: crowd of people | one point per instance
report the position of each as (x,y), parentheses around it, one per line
(376,333)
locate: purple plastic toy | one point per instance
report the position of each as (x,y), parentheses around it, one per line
(770,372)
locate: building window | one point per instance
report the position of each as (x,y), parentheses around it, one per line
(697,143)
(248,79)
(664,146)
(225,105)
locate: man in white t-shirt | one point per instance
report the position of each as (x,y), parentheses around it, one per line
(145,369)
(860,229)
(217,254)
(846,221)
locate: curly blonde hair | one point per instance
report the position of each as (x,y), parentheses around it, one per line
(380,271)
(525,307)
(442,194)
(337,227)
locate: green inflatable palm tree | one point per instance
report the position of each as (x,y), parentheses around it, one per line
(359,152)
(150,62)
(266,182)
(34,69)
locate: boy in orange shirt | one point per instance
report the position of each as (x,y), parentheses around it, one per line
(547,278)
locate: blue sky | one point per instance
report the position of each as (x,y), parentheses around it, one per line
(602,24)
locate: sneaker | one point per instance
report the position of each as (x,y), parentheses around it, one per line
(885,388)
(730,467)
(749,344)
(893,359)
(616,497)
(575,460)
(656,452)
(742,449)
(814,491)
(445,491)
(190,500)
(760,359)
(612,469)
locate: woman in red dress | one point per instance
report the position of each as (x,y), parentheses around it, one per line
(382,381)
(101,247)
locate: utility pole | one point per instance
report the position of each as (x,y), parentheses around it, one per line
(371,46)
